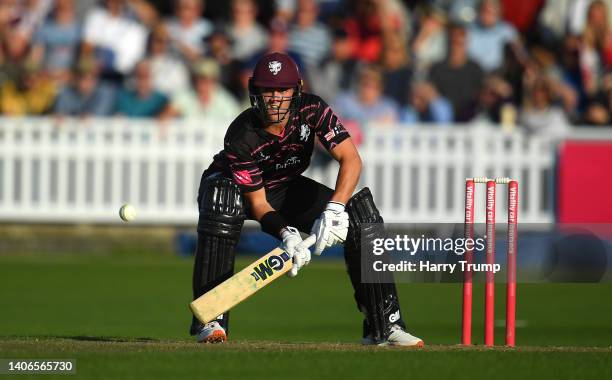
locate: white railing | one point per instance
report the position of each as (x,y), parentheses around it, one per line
(82,171)
(418,175)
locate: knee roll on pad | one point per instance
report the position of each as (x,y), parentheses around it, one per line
(376,296)
(221,207)
(219,225)
(362,210)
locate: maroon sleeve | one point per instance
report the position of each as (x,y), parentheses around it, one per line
(328,127)
(243,167)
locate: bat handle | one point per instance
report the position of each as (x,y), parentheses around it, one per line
(310,240)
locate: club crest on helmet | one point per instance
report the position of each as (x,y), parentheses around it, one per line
(275,67)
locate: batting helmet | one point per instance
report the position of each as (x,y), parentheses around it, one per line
(274,71)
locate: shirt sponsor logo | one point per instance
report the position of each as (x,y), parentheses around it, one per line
(330,135)
(275,67)
(243,177)
(293,160)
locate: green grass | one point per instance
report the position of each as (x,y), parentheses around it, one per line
(127,317)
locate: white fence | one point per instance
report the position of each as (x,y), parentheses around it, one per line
(76,171)
(418,175)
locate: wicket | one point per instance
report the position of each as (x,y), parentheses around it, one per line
(489,306)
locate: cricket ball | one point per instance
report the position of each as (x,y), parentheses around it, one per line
(127,212)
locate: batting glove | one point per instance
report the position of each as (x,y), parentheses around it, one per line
(331,228)
(295,247)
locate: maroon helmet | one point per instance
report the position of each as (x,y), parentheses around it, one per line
(274,70)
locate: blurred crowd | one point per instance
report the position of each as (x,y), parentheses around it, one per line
(544,65)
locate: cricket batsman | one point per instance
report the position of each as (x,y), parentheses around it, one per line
(258,175)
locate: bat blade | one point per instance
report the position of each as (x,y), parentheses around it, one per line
(243,284)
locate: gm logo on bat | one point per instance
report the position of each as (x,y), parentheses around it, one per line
(267,268)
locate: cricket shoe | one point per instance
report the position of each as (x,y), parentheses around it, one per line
(212,332)
(397,337)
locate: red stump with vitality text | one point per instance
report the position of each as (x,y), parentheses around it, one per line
(489,304)
(466,332)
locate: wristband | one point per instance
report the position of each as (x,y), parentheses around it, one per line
(273,222)
(335,206)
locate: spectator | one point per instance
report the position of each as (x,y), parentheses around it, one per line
(248,36)
(564,94)
(279,42)
(488,36)
(540,115)
(170,75)
(599,110)
(82,7)
(307,36)
(57,41)
(560,19)
(143,100)
(330,10)
(14,54)
(117,41)
(245,73)
(143,12)
(463,11)
(337,71)
(570,71)
(566,17)
(596,49)
(371,20)
(458,78)
(87,95)
(495,94)
(220,49)
(10,12)
(552,23)
(426,106)
(30,92)
(522,14)
(30,16)
(207,100)
(429,45)
(513,69)
(554,19)
(367,105)
(397,73)
(285,9)
(187,29)
(598,113)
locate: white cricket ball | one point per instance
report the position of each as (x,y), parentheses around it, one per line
(127,212)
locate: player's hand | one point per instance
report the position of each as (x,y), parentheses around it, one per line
(331,227)
(295,247)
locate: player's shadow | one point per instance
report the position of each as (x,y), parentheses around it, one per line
(111,339)
(90,338)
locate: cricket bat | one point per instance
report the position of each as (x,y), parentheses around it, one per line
(244,284)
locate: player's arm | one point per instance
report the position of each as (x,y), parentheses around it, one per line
(350,169)
(274,223)
(258,204)
(332,226)
(337,141)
